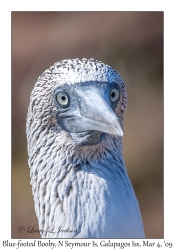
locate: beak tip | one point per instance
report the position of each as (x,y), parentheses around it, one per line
(118,132)
(121,133)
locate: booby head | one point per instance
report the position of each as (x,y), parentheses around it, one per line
(87,98)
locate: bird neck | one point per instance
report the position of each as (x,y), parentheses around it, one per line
(108,146)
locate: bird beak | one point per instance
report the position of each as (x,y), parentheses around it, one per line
(97,114)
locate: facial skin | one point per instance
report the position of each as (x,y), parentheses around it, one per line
(87,110)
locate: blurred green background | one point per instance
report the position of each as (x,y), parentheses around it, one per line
(130,42)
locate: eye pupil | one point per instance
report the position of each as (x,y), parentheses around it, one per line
(63,98)
(113,94)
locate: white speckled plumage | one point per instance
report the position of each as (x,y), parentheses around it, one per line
(79,191)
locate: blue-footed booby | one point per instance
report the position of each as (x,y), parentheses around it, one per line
(74,131)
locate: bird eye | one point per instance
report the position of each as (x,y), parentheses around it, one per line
(62,98)
(114,94)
